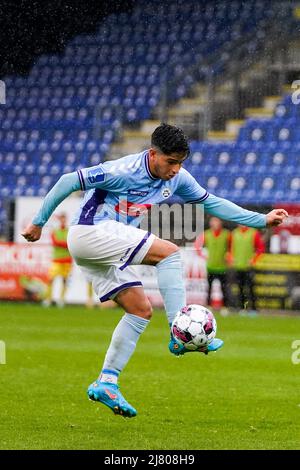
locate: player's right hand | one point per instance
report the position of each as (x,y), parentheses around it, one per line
(276,217)
(32,233)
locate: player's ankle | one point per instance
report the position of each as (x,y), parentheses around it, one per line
(109,376)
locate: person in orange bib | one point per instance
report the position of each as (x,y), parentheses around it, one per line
(247,245)
(217,241)
(61,261)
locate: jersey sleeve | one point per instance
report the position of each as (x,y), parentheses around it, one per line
(66,185)
(189,189)
(191,192)
(106,175)
(227,210)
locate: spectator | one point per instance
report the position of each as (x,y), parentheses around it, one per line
(90,297)
(217,241)
(247,245)
(61,261)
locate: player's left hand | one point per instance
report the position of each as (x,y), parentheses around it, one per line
(32,233)
(276,217)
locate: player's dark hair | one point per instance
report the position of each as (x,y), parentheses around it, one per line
(170,139)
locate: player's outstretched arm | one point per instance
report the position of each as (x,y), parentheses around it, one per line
(66,185)
(227,210)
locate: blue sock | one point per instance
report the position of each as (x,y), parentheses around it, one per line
(171,284)
(122,346)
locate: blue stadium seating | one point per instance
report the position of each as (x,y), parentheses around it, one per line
(66,113)
(261,167)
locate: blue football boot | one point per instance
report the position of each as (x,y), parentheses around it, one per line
(110,395)
(179,349)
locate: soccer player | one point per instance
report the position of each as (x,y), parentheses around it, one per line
(105,241)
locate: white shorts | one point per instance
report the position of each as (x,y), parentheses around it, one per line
(105,253)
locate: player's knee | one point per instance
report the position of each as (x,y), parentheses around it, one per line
(145,310)
(168,249)
(173,249)
(160,250)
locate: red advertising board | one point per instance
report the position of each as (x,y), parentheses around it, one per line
(292,223)
(24,270)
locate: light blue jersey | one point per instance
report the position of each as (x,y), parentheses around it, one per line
(124,189)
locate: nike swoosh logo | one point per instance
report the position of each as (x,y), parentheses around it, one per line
(113,396)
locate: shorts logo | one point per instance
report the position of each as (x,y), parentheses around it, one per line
(125,254)
(96,175)
(135,192)
(166,192)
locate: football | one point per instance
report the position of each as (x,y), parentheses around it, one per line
(194,326)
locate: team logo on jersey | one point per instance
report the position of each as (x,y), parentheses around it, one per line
(96,175)
(136,192)
(166,192)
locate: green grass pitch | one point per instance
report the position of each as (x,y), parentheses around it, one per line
(245,396)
